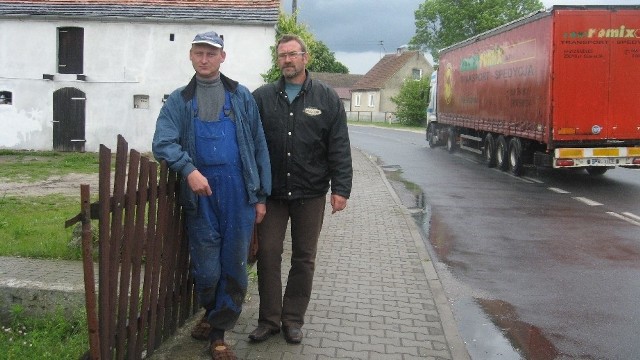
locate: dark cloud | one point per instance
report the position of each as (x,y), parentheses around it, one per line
(363,25)
(358,25)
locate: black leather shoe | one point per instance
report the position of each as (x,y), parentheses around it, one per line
(262,333)
(292,334)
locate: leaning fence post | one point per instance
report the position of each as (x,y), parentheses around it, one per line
(89,276)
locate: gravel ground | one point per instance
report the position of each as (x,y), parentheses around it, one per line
(68,184)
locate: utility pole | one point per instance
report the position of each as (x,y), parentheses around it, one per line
(294,8)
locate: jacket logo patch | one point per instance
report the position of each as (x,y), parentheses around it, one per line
(311,111)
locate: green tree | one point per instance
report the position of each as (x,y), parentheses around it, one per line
(321,59)
(411,102)
(441,23)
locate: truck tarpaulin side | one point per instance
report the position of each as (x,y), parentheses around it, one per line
(558,88)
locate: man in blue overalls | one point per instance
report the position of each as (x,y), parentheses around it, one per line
(210,132)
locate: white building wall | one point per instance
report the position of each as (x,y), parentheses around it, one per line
(121,59)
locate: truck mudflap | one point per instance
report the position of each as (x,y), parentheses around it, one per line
(590,157)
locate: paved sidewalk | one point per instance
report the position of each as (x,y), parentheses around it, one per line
(376,294)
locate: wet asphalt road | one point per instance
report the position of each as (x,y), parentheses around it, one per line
(546,266)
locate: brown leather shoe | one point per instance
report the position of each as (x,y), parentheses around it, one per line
(262,333)
(292,334)
(221,351)
(201,330)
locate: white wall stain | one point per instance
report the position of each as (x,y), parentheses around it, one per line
(18,126)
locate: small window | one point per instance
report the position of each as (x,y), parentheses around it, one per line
(357,100)
(70,50)
(371,102)
(6,98)
(172,37)
(140,101)
(416,74)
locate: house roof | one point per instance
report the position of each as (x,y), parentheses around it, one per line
(260,11)
(336,80)
(341,83)
(381,72)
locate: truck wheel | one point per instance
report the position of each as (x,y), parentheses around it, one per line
(501,153)
(596,170)
(432,138)
(515,156)
(451,140)
(489,151)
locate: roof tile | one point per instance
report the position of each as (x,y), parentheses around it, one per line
(263,11)
(214,3)
(336,80)
(384,70)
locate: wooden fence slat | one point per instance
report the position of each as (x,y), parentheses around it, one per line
(136,258)
(177,283)
(183,271)
(116,239)
(89,276)
(104,297)
(157,306)
(151,253)
(172,242)
(127,243)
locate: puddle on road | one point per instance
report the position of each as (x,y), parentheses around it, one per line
(528,339)
(484,340)
(490,328)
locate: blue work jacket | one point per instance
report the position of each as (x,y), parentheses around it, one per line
(174,140)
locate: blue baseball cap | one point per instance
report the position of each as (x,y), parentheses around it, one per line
(210,38)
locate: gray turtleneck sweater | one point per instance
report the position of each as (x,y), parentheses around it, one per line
(210,95)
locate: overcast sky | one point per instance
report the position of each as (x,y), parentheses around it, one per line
(360,32)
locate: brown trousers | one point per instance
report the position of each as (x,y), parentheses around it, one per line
(306,221)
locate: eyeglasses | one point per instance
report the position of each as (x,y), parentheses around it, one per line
(292,55)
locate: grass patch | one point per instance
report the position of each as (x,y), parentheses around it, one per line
(30,166)
(386,125)
(52,336)
(34,226)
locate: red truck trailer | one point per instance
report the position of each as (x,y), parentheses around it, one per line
(559,88)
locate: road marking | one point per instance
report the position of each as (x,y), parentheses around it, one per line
(631,221)
(587,201)
(559,191)
(520,178)
(533,180)
(633,216)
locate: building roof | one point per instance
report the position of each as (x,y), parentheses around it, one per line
(341,83)
(259,11)
(336,80)
(381,72)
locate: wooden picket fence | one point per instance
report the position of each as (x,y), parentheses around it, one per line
(145,289)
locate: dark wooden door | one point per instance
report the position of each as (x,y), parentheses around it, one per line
(68,119)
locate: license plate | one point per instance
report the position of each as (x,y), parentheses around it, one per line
(603,161)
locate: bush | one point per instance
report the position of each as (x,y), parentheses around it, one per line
(412,101)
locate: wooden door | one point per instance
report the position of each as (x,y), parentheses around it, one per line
(68,119)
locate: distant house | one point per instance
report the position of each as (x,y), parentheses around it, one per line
(341,83)
(373,92)
(76,73)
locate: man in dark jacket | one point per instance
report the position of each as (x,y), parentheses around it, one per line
(308,140)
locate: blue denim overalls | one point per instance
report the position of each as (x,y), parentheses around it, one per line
(220,232)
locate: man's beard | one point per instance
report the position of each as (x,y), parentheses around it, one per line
(290,72)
